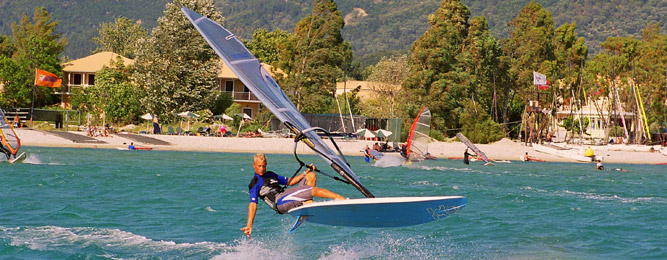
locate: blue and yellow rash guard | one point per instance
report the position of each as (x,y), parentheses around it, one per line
(269,179)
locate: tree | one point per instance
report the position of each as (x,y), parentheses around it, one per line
(113,95)
(265,45)
(385,81)
(175,66)
(120,37)
(436,78)
(35,44)
(477,125)
(529,47)
(313,58)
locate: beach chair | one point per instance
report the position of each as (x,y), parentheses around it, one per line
(179,130)
(170,130)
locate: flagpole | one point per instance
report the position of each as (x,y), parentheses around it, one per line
(32,107)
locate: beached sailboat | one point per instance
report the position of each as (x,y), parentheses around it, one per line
(352,212)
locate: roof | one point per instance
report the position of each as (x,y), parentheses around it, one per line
(366,91)
(93,63)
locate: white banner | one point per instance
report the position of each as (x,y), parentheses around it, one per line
(539,79)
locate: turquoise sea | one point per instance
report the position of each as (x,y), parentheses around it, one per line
(109,204)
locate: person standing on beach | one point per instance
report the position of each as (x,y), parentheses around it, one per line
(267,186)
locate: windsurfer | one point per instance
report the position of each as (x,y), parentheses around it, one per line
(267,186)
(466,157)
(6,151)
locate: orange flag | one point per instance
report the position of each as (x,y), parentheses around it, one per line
(47,79)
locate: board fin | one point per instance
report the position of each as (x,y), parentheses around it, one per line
(297,224)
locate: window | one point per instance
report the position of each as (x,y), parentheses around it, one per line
(229,86)
(76,79)
(91,79)
(245,89)
(248,111)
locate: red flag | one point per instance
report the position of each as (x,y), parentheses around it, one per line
(545,86)
(47,79)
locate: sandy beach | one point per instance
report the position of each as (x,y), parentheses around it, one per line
(504,149)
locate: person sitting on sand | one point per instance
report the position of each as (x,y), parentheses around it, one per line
(131,146)
(223,130)
(267,186)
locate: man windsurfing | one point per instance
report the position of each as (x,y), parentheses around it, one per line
(3,143)
(267,186)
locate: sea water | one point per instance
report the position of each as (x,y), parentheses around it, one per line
(109,204)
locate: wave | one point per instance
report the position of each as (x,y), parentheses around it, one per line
(110,243)
(613,197)
(34,159)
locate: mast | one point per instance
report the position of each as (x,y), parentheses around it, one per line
(340,113)
(640,103)
(618,101)
(354,128)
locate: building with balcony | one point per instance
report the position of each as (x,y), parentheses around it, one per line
(230,84)
(80,73)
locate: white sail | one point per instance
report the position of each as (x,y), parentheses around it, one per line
(257,79)
(417,143)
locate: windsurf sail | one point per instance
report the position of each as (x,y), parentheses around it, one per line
(472,147)
(261,84)
(11,141)
(417,143)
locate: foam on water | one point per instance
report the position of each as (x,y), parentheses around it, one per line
(125,244)
(35,159)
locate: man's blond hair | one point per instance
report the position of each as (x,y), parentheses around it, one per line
(260,156)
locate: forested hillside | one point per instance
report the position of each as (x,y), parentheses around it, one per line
(373,27)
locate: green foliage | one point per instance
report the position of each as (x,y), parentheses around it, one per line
(477,125)
(120,37)
(222,102)
(385,80)
(35,44)
(175,66)
(616,131)
(437,135)
(313,58)
(573,125)
(439,75)
(113,95)
(234,111)
(265,45)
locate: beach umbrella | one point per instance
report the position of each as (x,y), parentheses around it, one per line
(365,133)
(147,116)
(246,116)
(188,115)
(383,133)
(224,117)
